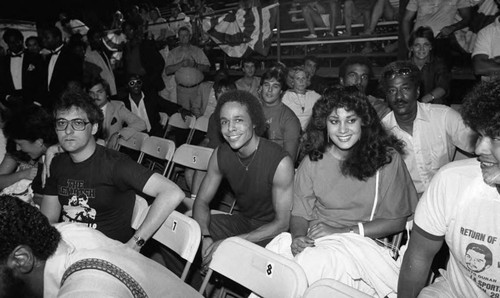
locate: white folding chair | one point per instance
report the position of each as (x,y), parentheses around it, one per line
(331,288)
(262,271)
(201,124)
(176,121)
(134,142)
(159,148)
(178,232)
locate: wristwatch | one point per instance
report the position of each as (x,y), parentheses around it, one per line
(206,236)
(139,241)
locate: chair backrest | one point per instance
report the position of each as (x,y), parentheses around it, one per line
(134,143)
(192,156)
(176,121)
(159,148)
(180,233)
(332,288)
(262,271)
(201,124)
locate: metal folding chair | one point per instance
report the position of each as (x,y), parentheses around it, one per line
(159,149)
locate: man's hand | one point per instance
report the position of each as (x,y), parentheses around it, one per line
(300,243)
(113,141)
(188,63)
(446,31)
(427,98)
(184,112)
(208,248)
(322,229)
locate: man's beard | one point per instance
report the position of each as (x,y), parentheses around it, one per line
(12,286)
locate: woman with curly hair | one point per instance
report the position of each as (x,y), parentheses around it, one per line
(351,188)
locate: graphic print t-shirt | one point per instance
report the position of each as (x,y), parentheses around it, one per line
(98,192)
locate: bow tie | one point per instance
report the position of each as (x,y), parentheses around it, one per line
(20,54)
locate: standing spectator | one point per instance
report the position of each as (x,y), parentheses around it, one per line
(95,54)
(22,76)
(486,54)
(299,99)
(118,20)
(157,26)
(63,66)
(142,57)
(461,207)
(33,45)
(249,82)
(434,74)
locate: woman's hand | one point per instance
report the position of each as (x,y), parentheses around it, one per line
(300,243)
(49,155)
(322,229)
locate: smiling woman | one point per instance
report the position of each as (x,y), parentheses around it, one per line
(351,188)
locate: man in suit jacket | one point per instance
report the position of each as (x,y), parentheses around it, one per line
(95,54)
(63,66)
(148,105)
(118,121)
(22,79)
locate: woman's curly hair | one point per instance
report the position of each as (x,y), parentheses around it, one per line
(252,104)
(481,108)
(375,146)
(23,224)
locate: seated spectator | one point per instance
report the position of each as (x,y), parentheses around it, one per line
(147,105)
(96,186)
(486,54)
(298,99)
(352,188)
(157,26)
(387,8)
(314,82)
(249,82)
(283,124)
(178,19)
(357,71)
(69,260)
(31,132)
(118,122)
(431,132)
(461,207)
(259,172)
(118,20)
(315,14)
(434,74)
(358,11)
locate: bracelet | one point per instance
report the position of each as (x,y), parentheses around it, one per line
(206,236)
(361,229)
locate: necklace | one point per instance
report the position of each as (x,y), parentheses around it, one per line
(253,157)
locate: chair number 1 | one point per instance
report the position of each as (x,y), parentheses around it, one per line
(269,269)
(174,226)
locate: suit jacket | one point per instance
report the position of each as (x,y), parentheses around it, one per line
(68,67)
(119,119)
(154,105)
(106,71)
(34,80)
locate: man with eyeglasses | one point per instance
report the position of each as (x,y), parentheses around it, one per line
(96,186)
(357,71)
(431,131)
(148,105)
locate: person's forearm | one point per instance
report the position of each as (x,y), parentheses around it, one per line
(413,275)
(9,179)
(382,227)
(485,66)
(266,231)
(171,69)
(298,226)
(438,92)
(203,67)
(201,213)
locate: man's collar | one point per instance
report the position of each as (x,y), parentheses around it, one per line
(422,114)
(130,97)
(57,50)
(19,54)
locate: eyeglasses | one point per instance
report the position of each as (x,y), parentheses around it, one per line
(132,83)
(76,124)
(391,74)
